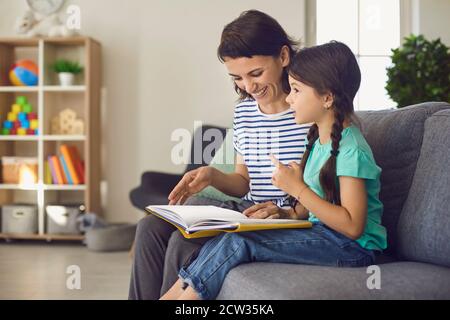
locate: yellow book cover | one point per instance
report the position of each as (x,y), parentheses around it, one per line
(47,173)
(205,221)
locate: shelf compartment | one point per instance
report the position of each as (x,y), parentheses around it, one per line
(53,148)
(55,50)
(7,100)
(13,50)
(57,102)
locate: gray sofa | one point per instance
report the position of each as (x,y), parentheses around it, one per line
(412,146)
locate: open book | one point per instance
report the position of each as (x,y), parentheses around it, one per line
(205,221)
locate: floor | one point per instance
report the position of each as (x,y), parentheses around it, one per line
(40,270)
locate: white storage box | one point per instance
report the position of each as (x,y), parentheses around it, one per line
(63,219)
(19,219)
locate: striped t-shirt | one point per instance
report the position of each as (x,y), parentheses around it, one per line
(256,135)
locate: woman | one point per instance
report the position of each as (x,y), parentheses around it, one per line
(256,52)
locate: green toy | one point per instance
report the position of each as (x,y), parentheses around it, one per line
(21,100)
(26,108)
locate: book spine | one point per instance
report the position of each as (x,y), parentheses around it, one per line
(52,170)
(47,173)
(66,171)
(79,167)
(59,172)
(69,162)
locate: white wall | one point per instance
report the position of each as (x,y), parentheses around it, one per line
(433,17)
(160,73)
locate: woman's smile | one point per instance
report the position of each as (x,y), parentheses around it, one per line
(260,93)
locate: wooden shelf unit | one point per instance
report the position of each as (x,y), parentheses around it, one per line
(48,98)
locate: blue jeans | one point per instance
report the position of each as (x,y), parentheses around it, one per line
(318,245)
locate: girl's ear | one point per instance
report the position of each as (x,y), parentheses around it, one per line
(328,100)
(284,56)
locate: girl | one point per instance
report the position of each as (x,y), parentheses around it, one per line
(256,52)
(336,185)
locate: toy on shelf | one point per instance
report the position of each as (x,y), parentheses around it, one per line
(67,123)
(21,120)
(24,73)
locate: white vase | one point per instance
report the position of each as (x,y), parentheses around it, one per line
(66,78)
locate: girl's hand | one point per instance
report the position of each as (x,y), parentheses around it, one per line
(286,178)
(192,182)
(266,210)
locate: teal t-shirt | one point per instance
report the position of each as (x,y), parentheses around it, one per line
(355,159)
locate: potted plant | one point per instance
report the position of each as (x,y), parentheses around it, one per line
(420,72)
(67,70)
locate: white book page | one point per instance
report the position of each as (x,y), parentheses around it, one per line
(192,214)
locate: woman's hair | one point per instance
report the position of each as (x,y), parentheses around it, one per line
(329,68)
(255,33)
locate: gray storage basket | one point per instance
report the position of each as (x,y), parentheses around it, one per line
(117,237)
(63,219)
(22,219)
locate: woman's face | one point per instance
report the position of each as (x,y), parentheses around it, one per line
(307,104)
(259,76)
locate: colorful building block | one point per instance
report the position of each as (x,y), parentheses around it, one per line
(22,116)
(32,116)
(7,124)
(34,124)
(21,100)
(16,108)
(12,116)
(25,124)
(27,108)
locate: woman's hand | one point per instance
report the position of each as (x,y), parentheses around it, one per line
(266,210)
(287,178)
(192,182)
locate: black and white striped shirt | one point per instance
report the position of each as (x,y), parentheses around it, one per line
(256,135)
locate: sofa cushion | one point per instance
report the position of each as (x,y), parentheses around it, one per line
(395,137)
(274,281)
(424,225)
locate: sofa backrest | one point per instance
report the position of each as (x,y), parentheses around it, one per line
(424,224)
(395,137)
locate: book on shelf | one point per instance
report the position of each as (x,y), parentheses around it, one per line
(55,167)
(65,170)
(205,221)
(47,173)
(78,163)
(70,161)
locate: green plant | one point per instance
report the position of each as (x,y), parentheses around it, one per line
(420,72)
(63,65)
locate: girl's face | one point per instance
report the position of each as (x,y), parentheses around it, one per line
(259,76)
(307,104)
